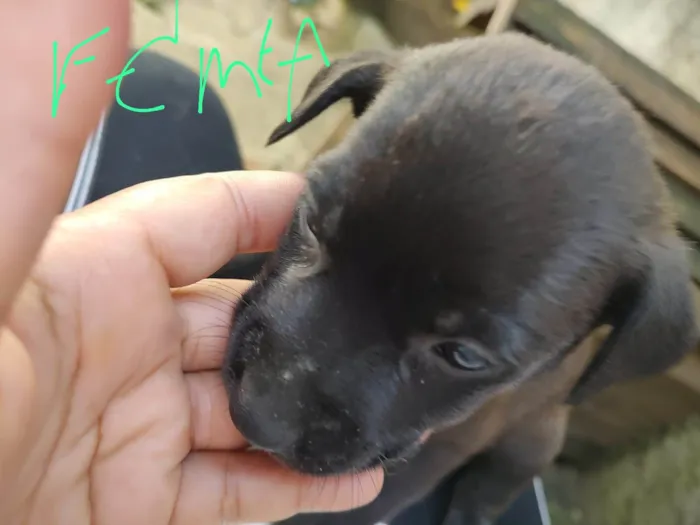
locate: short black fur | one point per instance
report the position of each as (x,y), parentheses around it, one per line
(493,191)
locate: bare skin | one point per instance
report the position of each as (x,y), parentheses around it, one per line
(111,406)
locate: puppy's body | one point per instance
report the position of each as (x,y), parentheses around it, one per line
(495,202)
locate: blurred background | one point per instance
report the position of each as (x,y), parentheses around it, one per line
(633,453)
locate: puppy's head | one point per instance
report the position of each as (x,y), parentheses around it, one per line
(467,234)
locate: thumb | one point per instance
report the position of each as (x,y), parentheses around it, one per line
(40,153)
(245,487)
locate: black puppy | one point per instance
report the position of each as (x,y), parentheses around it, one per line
(494,203)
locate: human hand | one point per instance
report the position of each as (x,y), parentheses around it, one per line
(114,410)
(111,408)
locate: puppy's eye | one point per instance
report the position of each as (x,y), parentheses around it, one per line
(465,356)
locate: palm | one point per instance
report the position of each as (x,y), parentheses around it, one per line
(118,451)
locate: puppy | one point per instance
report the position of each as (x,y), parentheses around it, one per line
(494,203)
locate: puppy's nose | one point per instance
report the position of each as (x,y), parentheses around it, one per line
(263,419)
(330,438)
(326,439)
(272,432)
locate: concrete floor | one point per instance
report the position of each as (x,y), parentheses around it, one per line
(236,28)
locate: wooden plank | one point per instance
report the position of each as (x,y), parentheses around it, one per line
(665,105)
(686,203)
(687,373)
(593,425)
(624,412)
(558,25)
(677,157)
(694,257)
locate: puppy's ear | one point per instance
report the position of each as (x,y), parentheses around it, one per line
(359,77)
(653,323)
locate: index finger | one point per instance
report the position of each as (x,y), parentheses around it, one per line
(195,224)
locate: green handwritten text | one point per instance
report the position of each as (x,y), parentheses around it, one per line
(294,60)
(223,76)
(264,51)
(128,70)
(59,85)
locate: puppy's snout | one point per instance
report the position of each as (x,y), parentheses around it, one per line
(304,428)
(328,442)
(331,428)
(265,419)
(283,400)
(244,346)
